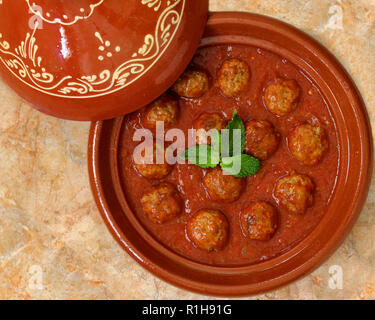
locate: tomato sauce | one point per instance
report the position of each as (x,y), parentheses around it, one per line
(265,68)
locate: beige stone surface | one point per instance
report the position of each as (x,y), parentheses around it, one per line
(53,243)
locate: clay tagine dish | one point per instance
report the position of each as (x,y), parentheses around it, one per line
(306,161)
(92,59)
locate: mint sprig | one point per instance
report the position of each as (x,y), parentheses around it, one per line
(224,151)
(240,166)
(235,131)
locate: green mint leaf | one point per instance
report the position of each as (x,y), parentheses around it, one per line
(202,156)
(233,142)
(240,166)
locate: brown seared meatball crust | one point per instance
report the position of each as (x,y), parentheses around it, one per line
(262,140)
(233,77)
(163,109)
(281,97)
(207,122)
(308,143)
(162,203)
(208,230)
(153,171)
(259,221)
(295,193)
(222,187)
(192,84)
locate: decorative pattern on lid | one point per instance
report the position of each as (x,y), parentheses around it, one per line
(71,15)
(26,62)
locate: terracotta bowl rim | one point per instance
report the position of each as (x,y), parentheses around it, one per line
(325,249)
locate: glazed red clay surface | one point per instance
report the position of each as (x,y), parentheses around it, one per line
(92,59)
(265,67)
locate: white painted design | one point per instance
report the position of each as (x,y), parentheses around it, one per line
(67,21)
(104,48)
(156,4)
(25,64)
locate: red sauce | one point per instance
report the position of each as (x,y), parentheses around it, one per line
(265,67)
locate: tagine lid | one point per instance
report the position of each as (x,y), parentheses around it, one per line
(96,59)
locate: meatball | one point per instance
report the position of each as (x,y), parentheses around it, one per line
(207,122)
(233,77)
(295,193)
(259,221)
(208,230)
(192,84)
(163,109)
(281,97)
(262,140)
(222,187)
(308,143)
(162,203)
(152,170)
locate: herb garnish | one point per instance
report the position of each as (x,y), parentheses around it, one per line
(225,151)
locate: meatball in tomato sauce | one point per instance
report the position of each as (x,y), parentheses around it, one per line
(164,109)
(192,84)
(222,187)
(149,168)
(162,203)
(262,140)
(233,77)
(308,143)
(281,97)
(259,221)
(206,122)
(208,230)
(295,193)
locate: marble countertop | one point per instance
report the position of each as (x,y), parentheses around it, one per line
(53,242)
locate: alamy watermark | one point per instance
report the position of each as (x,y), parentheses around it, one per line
(170,146)
(36,21)
(336,277)
(36,277)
